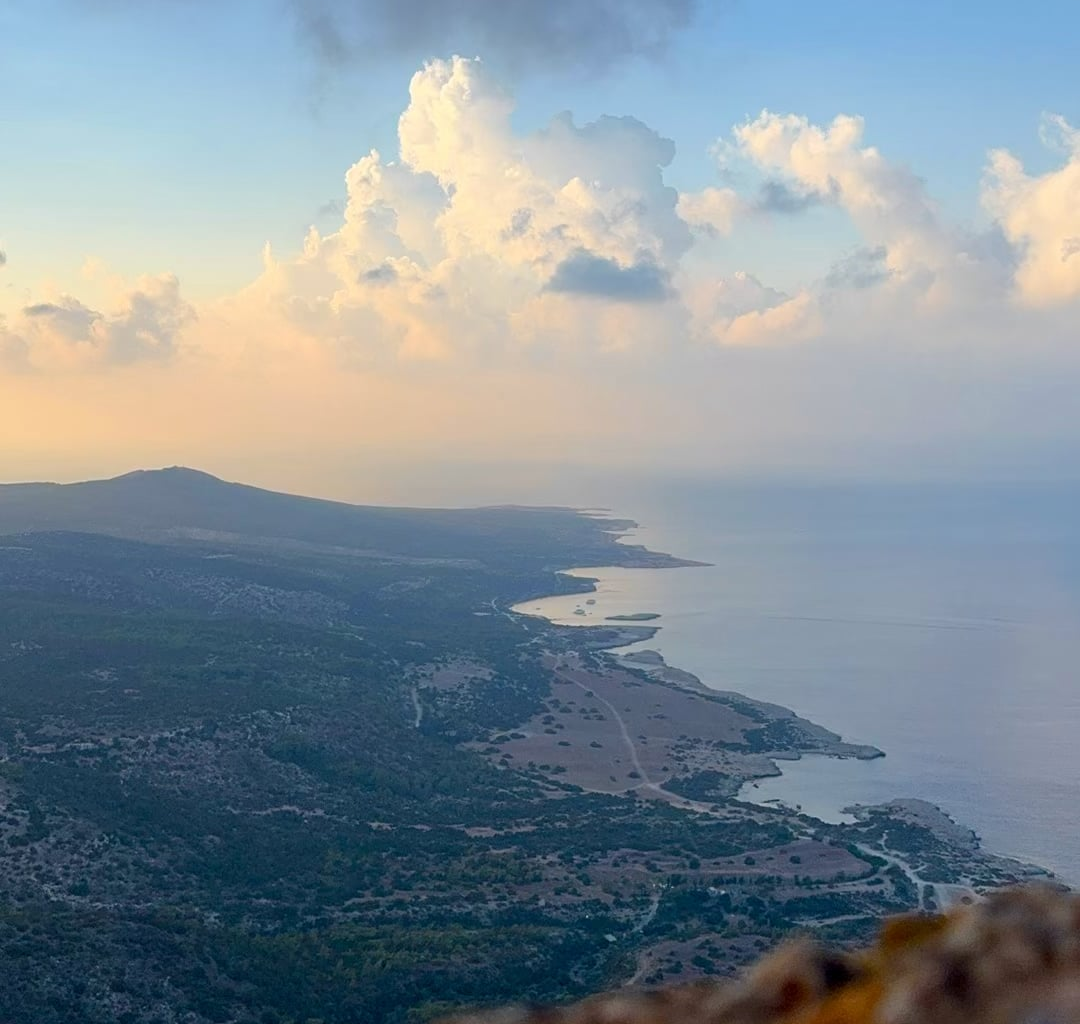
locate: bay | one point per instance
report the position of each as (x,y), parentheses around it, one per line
(941,624)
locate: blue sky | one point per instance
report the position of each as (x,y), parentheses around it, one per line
(182,135)
(902,299)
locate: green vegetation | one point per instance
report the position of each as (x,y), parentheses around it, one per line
(231,790)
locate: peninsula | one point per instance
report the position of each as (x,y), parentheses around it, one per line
(285,759)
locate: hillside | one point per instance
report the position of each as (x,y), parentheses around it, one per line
(183,504)
(268,759)
(1009,960)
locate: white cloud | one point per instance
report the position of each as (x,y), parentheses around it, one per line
(713,210)
(1040,216)
(933,262)
(65,334)
(441,250)
(477,242)
(888,202)
(533,201)
(483,276)
(740,310)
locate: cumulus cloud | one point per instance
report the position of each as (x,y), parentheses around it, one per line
(716,211)
(577,35)
(775,196)
(70,315)
(482,275)
(441,250)
(740,310)
(793,320)
(935,263)
(888,202)
(712,210)
(475,239)
(65,334)
(1040,216)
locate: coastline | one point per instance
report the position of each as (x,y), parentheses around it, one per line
(625,630)
(625,647)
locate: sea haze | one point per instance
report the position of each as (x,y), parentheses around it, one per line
(941,624)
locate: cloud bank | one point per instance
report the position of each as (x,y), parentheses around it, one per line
(481,287)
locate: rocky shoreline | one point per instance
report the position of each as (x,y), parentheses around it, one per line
(944,861)
(817,739)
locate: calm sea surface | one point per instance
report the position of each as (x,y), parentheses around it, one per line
(942,625)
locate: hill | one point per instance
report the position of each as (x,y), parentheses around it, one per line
(1010,959)
(180,504)
(270,759)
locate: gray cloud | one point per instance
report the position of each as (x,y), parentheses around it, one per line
(384,273)
(3,258)
(598,277)
(519,226)
(70,318)
(777,196)
(146,328)
(579,35)
(860,268)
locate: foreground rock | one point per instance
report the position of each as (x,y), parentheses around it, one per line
(1013,959)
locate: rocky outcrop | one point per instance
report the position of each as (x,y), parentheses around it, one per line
(1011,959)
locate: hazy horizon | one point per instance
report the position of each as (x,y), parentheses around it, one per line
(649,496)
(611,240)
(793,287)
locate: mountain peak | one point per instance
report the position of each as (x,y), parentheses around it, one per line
(175,473)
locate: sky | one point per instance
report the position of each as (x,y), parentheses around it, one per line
(367,248)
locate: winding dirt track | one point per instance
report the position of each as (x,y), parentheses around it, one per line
(655,790)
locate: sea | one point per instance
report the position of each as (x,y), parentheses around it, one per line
(939,623)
